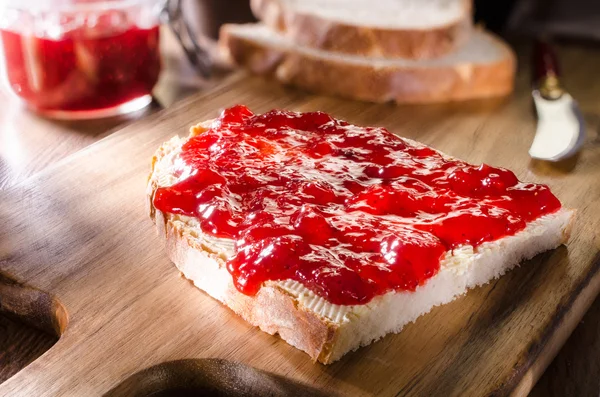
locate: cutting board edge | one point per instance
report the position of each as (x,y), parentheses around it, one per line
(556,335)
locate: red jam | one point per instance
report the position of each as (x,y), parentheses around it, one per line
(84,69)
(349,212)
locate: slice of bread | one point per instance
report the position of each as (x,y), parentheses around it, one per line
(323,330)
(416,29)
(483,67)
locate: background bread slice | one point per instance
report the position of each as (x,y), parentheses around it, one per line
(483,67)
(417,29)
(323,330)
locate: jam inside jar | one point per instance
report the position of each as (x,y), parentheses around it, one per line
(81,58)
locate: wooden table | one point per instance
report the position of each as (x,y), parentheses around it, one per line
(29,144)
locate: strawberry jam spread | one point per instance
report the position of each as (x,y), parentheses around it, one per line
(349,212)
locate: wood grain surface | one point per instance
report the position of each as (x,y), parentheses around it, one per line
(128,309)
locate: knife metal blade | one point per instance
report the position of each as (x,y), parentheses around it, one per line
(561,129)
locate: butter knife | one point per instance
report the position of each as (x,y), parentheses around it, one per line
(560,130)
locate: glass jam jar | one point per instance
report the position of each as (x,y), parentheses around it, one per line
(78,59)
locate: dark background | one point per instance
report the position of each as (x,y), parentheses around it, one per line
(562,19)
(494,14)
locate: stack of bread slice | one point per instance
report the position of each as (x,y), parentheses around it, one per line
(407,51)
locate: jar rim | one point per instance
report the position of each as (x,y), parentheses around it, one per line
(34,6)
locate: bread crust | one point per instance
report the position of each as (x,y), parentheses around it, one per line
(367,82)
(272,309)
(314,31)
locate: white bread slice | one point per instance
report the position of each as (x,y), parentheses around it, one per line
(483,67)
(323,330)
(415,29)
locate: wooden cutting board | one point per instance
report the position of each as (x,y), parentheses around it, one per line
(79,234)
